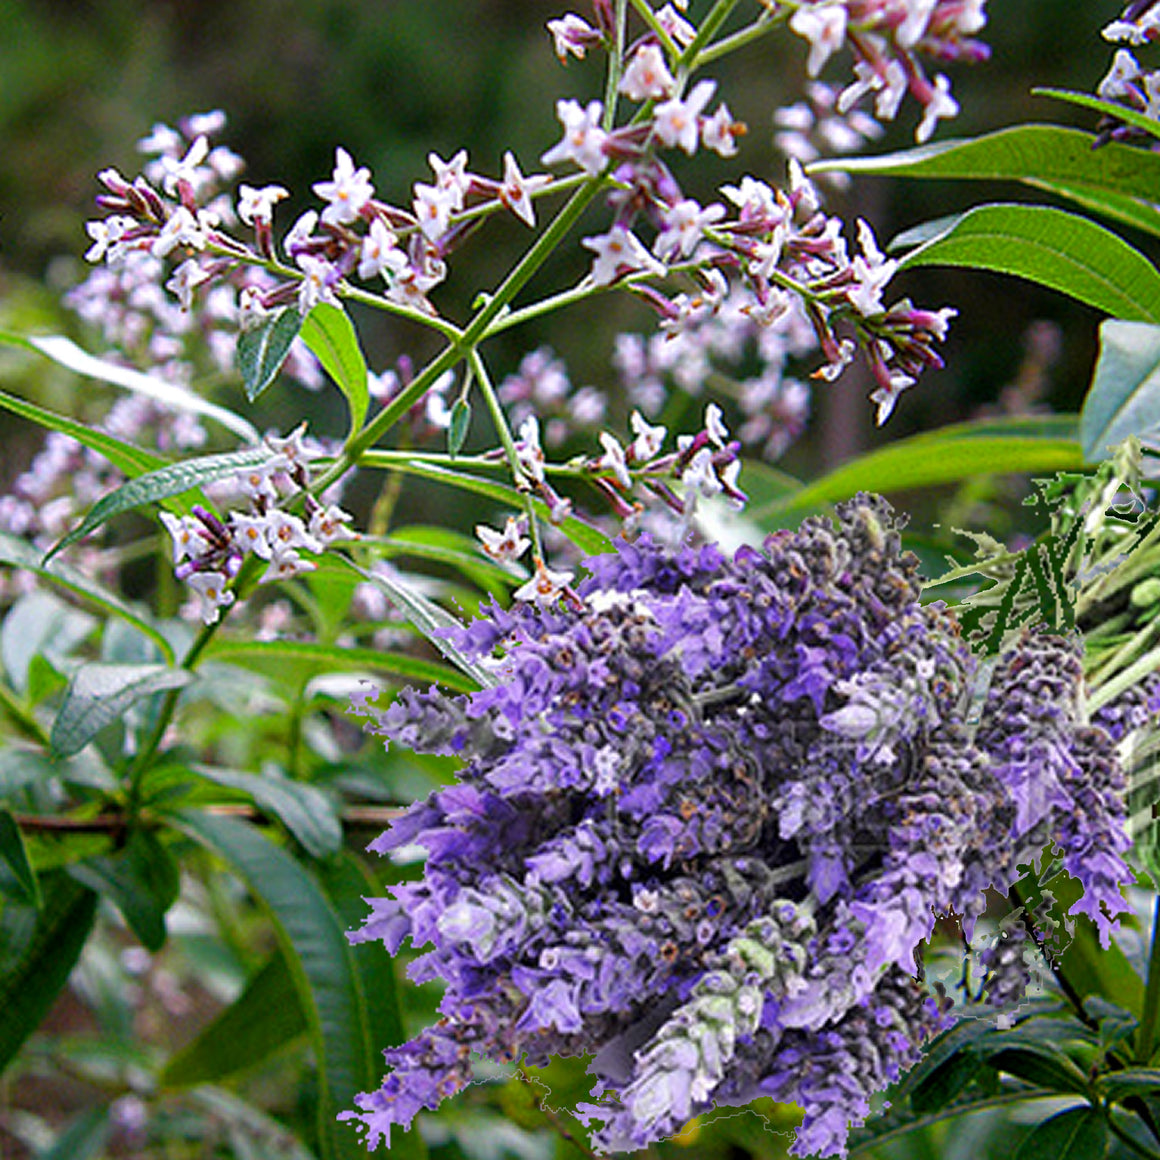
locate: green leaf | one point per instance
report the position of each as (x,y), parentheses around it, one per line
(38,950)
(1040,1064)
(129,459)
(430,620)
(1077,1134)
(1124,398)
(1129,116)
(948,455)
(591,541)
(1118,1086)
(141,881)
(271,656)
(16,553)
(319,958)
(263,1018)
(1092,969)
(158,485)
(99,694)
(459,426)
(305,811)
(461,552)
(1118,207)
(263,349)
(1055,248)
(945,1082)
(83,1139)
(66,352)
(15,856)
(39,624)
(329,333)
(1028,153)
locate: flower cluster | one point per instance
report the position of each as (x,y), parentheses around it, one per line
(1126,83)
(709,811)
(208,551)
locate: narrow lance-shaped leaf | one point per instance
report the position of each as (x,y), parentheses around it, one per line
(1124,398)
(1131,117)
(264,1017)
(124,456)
(329,333)
(159,485)
(16,553)
(1077,1134)
(38,950)
(262,349)
(66,352)
(319,958)
(305,811)
(15,856)
(100,694)
(1055,248)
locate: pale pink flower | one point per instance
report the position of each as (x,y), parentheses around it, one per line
(379,253)
(583,141)
(619,252)
(257,205)
(545,586)
(516,191)
(647,76)
(684,227)
(825,29)
(451,176)
(507,546)
(212,593)
(676,122)
(887,396)
(347,192)
(181,285)
(572,34)
(872,271)
(938,105)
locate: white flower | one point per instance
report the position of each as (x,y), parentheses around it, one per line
(380,253)
(292,449)
(451,175)
(675,122)
(107,235)
(572,34)
(583,141)
(613,459)
(257,205)
(182,229)
(257,481)
(545,586)
(433,206)
(347,192)
(286,532)
(649,439)
(211,590)
(715,426)
(720,132)
(685,224)
(516,191)
(753,198)
(1120,76)
(317,285)
(188,543)
(911,30)
(188,275)
(328,525)
(284,565)
(508,545)
(887,396)
(647,76)
(872,271)
(251,534)
(529,449)
(939,104)
(186,168)
(678,28)
(618,252)
(825,28)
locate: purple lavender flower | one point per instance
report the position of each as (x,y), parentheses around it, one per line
(707,818)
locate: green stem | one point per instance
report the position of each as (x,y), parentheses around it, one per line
(615,68)
(459,348)
(644,10)
(717,16)
(742,37)
(498,417)
(1146,1043)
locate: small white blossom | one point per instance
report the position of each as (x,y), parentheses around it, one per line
(720,132)
(887,396)
(715,426)
(508,545)
(872,271)
(913,27)
(545,586)
(182,229)
(317,285)
(684,227)
(649,439)
(825,29)
(181,285)
(285,565)
(940,104)
(347,192)
(211,591)
(251,534)
(529,449)
(379,254)
(451,176)
(676,122)
(613,459)
(257,205)
(516,191)
(647,76)
(107,234)
(186,168)
(678,28)
(328,525)
(433,207)
(619,252)
(572,34)
(583,141)
(1118,82)
(753,198)
(188,543)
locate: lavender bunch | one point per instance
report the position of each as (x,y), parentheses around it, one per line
(708,814)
